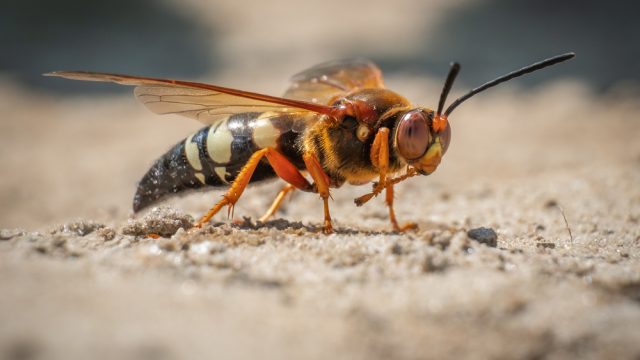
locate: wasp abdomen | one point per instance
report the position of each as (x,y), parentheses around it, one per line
(214,156)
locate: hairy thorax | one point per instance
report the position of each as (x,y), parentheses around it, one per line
(342,154)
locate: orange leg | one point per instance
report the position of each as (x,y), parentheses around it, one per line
(322,183)
(380,155)
(280,164)
(377,189)
(276,203)
(392,213)
(379,158)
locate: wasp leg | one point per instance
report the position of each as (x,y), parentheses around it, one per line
(377,189)
(280,164)
(276,203)
(322,181)
(392,213)
(379,158)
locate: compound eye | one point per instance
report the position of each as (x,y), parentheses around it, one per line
(413,135)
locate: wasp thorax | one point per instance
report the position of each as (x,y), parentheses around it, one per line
(413,135)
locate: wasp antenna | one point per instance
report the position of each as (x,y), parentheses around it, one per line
(453,72)
(525,70)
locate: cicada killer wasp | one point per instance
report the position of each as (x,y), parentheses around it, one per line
(336,121)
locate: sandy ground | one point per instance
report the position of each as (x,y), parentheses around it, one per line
(78,281)
(75,285)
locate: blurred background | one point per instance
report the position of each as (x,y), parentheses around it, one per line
(68,147)
(205,39)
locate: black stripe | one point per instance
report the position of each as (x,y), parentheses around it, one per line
(200,138)
(170,174)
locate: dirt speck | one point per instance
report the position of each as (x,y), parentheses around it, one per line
(435,262)
(106,233)
(546,245)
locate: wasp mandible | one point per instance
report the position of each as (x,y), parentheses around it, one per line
(336,121)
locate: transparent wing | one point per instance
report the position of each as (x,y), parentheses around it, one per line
(203,102)
(204,105)
(296,122)
(324,83)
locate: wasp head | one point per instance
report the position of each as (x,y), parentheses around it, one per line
(421,138)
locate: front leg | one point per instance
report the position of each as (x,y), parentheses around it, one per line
(392,213)
(380,159)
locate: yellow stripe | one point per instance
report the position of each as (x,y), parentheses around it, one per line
(200,178)
(219,142)
(221,171)
(264,133)
(193,154)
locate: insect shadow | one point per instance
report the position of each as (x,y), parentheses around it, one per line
(283,224)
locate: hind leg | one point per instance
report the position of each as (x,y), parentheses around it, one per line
(280,164)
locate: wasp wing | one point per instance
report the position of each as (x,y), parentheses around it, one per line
(203,102)
(327,82)
(204,105)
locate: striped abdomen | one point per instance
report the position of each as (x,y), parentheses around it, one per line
(214,155)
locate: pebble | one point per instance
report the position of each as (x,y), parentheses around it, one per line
(484,235)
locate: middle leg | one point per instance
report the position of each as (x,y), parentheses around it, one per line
(276,203)
(322,181)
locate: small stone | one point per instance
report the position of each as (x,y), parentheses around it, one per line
(484,235)
(163,221)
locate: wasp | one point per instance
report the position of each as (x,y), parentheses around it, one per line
(336,122)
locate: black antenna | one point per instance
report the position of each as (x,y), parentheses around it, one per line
(453,72)
(525,70)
